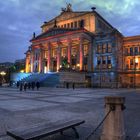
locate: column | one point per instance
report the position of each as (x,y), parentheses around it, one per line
(40,60)
(90,57)
(49,58)
(69,51)
(27,64)
(32,61)
(81,54)
(58,56)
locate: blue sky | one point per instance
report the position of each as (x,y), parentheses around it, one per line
(20,18)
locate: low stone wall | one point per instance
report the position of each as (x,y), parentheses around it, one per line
(78,78)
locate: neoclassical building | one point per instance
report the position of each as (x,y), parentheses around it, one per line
(83,42)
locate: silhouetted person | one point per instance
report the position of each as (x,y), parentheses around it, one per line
(29,85)
(67,85)
(25,86)
(33,85)
(37,85)
(73,86)
(18,84)
(21,86)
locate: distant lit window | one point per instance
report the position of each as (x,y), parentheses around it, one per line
(109,60)
(104,48)
(46,54)
(104,60)
(74,51)
(99,48)
(98,60)
(63,52)
(54,52)
(109,48)
(131,61)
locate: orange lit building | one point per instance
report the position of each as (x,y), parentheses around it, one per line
(85,43)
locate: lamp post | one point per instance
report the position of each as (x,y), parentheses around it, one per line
(3,73)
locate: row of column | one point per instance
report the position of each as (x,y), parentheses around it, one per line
(40,66)
(58,58)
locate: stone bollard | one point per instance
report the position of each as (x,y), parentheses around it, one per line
(113,127)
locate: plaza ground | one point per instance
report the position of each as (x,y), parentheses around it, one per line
(49,105)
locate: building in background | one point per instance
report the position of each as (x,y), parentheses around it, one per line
(83,42)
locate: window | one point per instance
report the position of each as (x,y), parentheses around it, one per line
(63,52)
(54,52)
(131,51)
(99,48)
(131,79)
(71,24)
(82,23)
(68,25)
(104,60)
(85,50)
(98,60)
(104,48)
(75,24)
(46,54)
(126,51)
(64,25)
(131,61)
(74,51)
(136,50)
(109,60)
(109,48)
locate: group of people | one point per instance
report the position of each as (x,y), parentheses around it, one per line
(30,85)
(67,85)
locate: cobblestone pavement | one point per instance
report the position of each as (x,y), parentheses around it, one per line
(49,105)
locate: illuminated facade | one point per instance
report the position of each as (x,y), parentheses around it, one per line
(81,41)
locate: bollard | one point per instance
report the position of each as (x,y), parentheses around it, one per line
(113,127)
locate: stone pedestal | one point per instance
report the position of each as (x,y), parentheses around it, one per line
(113,127)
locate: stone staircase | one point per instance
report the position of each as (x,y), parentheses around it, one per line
(46,80)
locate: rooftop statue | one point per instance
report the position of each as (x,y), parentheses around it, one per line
(68,8)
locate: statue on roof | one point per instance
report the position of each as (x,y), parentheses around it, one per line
(55,23)
(68,8)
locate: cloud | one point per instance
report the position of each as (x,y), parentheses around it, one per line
(20,18)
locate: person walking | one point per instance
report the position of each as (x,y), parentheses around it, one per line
(33,85)
(73,86)
(29,85)
(37,85)
(18,84)
(25,86)
(21,86)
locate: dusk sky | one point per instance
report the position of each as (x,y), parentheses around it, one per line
(20,18)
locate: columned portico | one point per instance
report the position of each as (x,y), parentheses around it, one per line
(62,51)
